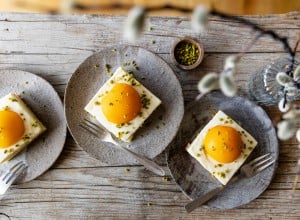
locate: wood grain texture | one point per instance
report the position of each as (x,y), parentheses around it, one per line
(157,7)
(80,187)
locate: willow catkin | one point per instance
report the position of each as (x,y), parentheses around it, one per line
(227,85)
(283,79)
(208,83)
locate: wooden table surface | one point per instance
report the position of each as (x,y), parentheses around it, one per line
(80,187)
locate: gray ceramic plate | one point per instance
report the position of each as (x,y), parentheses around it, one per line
(43,100)
(154,73)
(193,179)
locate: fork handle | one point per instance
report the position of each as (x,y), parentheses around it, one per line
(203,199)
(209,195)
(147,163)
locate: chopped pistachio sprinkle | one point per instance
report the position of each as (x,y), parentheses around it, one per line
(126,170)
(135,65)
(13,99)
(145,101)
(166,179)
(150,28)
(26,137)
(107,68)
(140,114)
(126,64)
(186,53)
(120,134)
(119,125)
(221,174)
(149,204)
(34,124)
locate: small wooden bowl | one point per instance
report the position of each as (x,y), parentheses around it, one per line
(189,40)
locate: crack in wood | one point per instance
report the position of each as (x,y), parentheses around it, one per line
(4,215)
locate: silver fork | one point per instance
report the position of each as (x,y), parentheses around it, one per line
(247,170)
(9,176)
(105,136)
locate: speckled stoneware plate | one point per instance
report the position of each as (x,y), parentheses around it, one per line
(193,179)
(43,100)
(154,73)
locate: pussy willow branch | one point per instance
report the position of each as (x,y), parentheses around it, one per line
(255,27)
(297,44)
(248,47)
(284,41)
(239,56)
(262,32)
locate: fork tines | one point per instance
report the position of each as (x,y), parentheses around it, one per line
(10,175)
(90,127)
(15,170)
(262,162)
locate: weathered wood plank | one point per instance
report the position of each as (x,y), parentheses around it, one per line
(90,32)
(57,70)
(80,187)
(90,191)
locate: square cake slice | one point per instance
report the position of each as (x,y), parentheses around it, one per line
(18,126)
(122,105)
(225,129)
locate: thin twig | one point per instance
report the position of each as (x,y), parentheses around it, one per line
(248,47)
(284,98)
(199,96)
(297,173)
(295,182)
(297,44)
